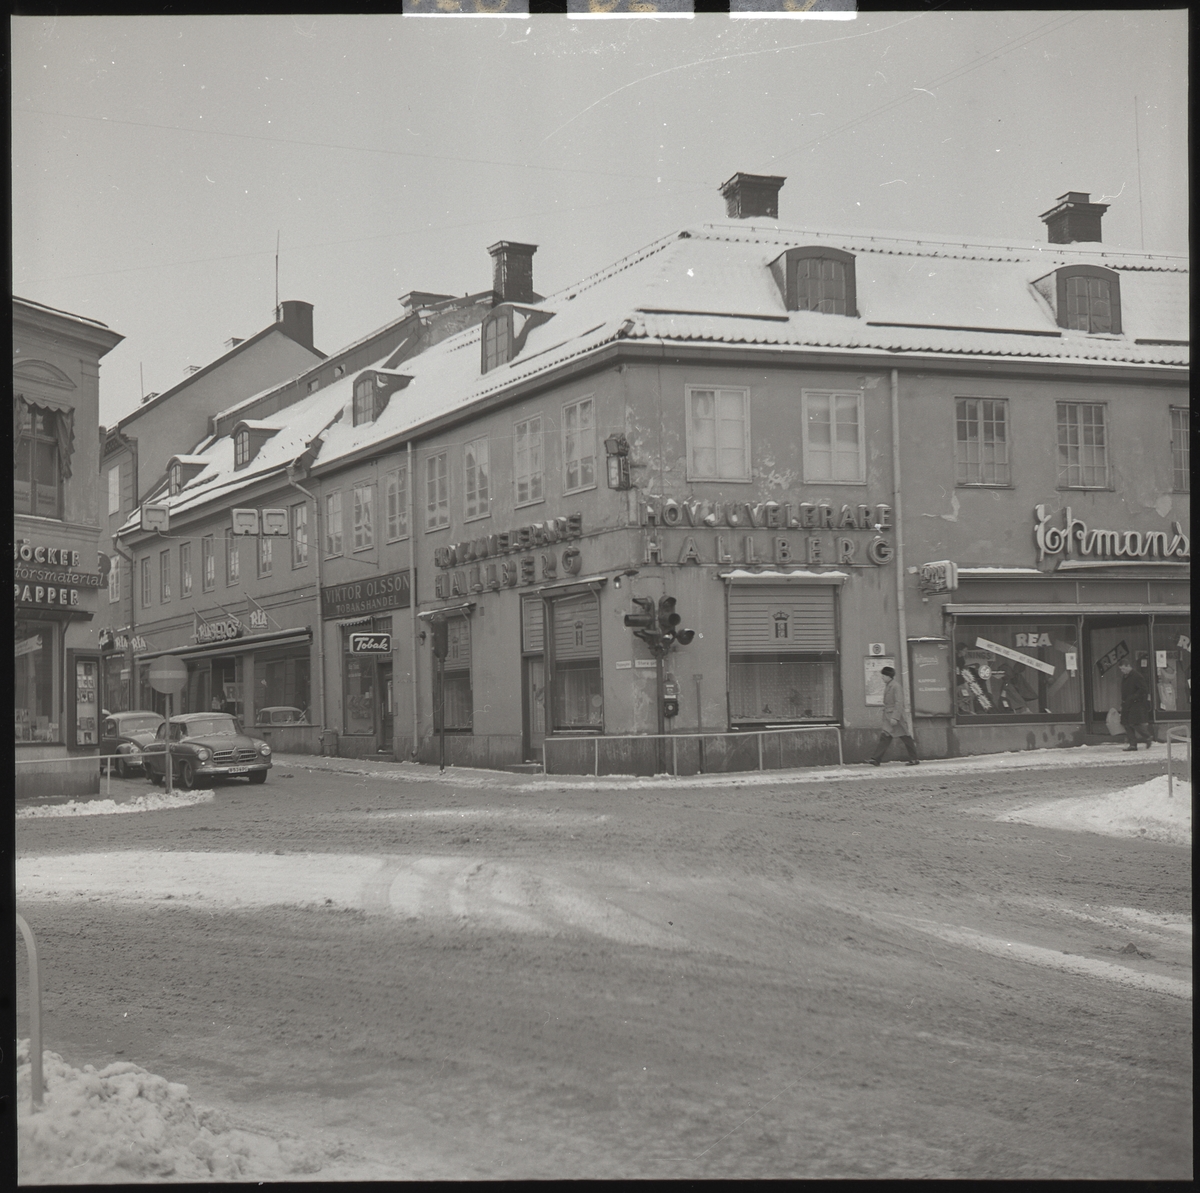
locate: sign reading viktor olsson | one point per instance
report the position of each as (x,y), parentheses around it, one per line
(1114,544)
(375,595)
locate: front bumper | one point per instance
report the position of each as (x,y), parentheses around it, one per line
(217,770)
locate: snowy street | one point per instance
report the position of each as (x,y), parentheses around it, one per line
(977,968)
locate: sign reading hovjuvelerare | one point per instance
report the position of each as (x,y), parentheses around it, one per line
(374,595)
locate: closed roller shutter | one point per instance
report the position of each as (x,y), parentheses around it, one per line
(764,619)
(533,627)
(577,628)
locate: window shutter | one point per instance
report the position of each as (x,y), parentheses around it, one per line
(788,619)
(576,628)
(533,634)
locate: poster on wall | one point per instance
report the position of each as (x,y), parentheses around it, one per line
(873,680)
(930,669)
(85,702)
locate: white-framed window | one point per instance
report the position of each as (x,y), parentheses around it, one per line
(114,489)
(579,445)
(265,554)
(174,479)
(528,462)
(147,592)
(300,534)
(396,491)
(365,407)
(437,492)
(497,339)
(233,557)
(241,449)
(164,575)
(1181,460)
(981,451)
(718,433)
(333,523)
(208,562)
(114,579)
(364,517)
(185,569)
(476,488)
(1082,446)
(834,443)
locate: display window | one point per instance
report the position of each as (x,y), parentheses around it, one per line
(459,701)
(577,684)
(281,681)
(1172,669)
(1017,669)
(34,677)
(360,681)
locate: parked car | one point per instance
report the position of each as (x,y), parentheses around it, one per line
(127,734)
(282,714)
(206,745)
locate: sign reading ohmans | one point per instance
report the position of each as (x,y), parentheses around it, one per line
(1115,544)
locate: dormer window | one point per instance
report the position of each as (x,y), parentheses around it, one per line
(817,279)
(1084,298)
(497,339)
(241,449)
(175,479)
(368,399)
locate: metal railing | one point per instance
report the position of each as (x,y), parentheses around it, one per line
(78,758)
(35,1013)
(1185,736)
(729,738)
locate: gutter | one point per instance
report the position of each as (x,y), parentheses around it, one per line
(317,621)
(412,606)
(901,616)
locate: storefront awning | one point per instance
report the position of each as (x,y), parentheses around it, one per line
(1020,608)
(463,610)
(349,621)
(300,636)
(742,577)
(567,587)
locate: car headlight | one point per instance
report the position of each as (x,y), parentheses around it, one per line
(204,755)
(263,748)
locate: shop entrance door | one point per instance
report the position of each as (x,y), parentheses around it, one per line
(534,690)
(1108,642)
(386,713)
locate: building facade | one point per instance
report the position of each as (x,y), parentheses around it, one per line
(835,452)
(57,557)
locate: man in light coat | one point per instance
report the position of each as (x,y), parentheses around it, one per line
(895,720)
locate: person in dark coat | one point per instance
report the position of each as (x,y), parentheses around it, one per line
(1135,706)
(895,720)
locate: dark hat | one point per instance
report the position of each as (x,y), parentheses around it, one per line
(888,671)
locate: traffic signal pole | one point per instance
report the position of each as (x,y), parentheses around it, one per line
(661,751)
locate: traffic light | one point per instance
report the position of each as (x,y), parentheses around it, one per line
(441,638)
(668,619)
(670,707)
(643,622)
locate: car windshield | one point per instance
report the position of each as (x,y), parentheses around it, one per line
(214,726)
(138,724)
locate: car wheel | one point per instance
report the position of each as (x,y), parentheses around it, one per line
(187,774)
(122,769)
(154,777)
(258,777)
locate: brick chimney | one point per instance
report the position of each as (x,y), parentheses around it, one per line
(296,320)
(512,271)
(750,195)
(1074,218)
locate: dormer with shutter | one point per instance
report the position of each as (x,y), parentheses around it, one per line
(817,278)
(1083,298)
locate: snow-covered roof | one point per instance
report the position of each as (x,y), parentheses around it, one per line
(255,424)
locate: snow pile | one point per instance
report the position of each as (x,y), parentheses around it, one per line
(156,801)
(123,1124)
(1144,811)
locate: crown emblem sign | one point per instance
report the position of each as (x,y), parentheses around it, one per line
(781,616)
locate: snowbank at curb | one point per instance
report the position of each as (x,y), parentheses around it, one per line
(156,801)
(1144,811)
(123,1125)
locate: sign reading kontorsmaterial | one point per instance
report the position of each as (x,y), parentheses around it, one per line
(373,595)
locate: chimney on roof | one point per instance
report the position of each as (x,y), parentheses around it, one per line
(750,195)
(414,300)
(296,321)
(1074,218)
(512,271)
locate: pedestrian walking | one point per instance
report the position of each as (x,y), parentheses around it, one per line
(895,720)
(1135,707)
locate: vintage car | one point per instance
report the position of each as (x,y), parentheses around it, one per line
(127,734)
(206,745)
(282,714)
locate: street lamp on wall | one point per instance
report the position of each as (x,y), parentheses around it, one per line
(617,449)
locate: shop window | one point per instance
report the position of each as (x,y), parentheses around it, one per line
(1017,669)
(834,444)
(437,492)
(579,446)
(42,450)
(114,490)
(1173,669)
(185,569)
(116,683)
(981,442)
(333,524)
(208,561)
(233,557)
(281,695)
(364,517)
(459,707)
(476,503)
(265,555)
(1082,445)
(34,672)
(1181,464)
(527,461)
(577,682)
(718,434)
(300,535)
(396,489)
(360,682)
(147,592)
(114,579)
(783,654)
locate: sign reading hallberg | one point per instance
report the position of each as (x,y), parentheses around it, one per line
(379,593)
(1114,544)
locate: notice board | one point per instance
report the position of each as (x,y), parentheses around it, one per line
(929,663)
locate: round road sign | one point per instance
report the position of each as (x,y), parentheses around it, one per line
(168,674)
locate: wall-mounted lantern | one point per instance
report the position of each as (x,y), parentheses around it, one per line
(617,448)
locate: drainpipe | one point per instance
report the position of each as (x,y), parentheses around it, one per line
(320,627)
(412,604)
(898,512)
